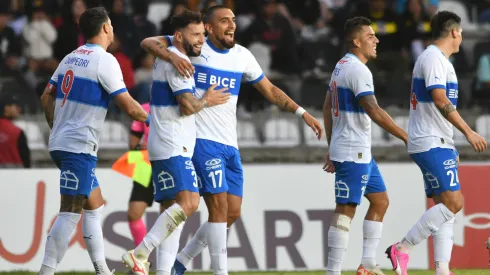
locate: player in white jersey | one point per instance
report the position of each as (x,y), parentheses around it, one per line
(433,97)
(171,143)
(216,157)
(349,107)
(75,104)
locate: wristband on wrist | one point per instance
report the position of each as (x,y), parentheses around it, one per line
(300,111)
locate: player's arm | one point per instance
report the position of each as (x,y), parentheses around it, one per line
(131,107)
(380,117)
(158,47)
(277,96)
(327,116)
(450,113)
(48,99)
(189,105)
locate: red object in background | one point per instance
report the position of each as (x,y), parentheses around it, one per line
(472,225)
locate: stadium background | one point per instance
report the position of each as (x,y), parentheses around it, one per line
(297,44)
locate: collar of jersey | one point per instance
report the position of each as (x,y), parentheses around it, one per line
(432,45)
(92,45)
(216,49)
(353,55)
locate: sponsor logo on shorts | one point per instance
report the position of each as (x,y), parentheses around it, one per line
(449,164)
(213,164)
(69,180)
(365,178)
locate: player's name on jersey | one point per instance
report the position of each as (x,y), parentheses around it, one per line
(77,61)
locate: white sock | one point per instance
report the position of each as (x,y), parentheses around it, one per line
(443,247)
(337,245)
(372,234)
(217,247)
(167,251)
(92,235)
(429,223)
(58,240)
(46,270)
(166,223)
(195,246)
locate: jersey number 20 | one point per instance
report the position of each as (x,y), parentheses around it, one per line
(67,84)
(335,99)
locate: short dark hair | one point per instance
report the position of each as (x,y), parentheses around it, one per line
(353,26)
(209,12)
(92,20)
(442,23)
(184,19)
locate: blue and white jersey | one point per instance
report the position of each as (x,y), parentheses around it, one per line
(85,81)
(227,68)
(427,128)
(351,129)
(171,133)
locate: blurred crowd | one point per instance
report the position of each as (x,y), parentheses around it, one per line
(297,42)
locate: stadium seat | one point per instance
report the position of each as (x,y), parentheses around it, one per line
(282,132)
(460,9)
(310,137)
(158,11)
(483,126)
(35,138)
(114,135)
(247,135)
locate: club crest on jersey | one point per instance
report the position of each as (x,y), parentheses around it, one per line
(359,155)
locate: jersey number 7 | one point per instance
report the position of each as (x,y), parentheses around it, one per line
(67,84)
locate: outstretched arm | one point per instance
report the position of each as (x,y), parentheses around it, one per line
(277,96)
(48,99)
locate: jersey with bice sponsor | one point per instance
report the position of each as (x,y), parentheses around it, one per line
(226,68)
(171,133)
(351,129)
(85,81)
(427,128)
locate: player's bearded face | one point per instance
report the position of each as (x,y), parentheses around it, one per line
(223,27)
(369,43)
(193,39)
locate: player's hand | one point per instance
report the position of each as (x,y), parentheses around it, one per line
(314,124)
(216,97)
(328,166)
(183,66)
(478,143)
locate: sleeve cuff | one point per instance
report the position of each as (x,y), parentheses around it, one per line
(359,95)
(437,86)
(113,94)
(257,79)
(54,83)
(183,91)
(169,40)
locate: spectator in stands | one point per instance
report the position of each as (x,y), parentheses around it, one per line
(483,7)
(14,150)
(416,24)
(124,62)
(39,36)
(144,28)
(69,34)
(178,6)
(390,66)
(143,78)
(124,27)
(273,29)
(10,50)
(429,6)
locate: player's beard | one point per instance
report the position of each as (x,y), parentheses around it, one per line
(226,43)
(190,49)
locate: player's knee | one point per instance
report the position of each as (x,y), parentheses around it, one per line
(341,221)
(134,215)
(218,207)
(455,205)
(233,216)
(382,205)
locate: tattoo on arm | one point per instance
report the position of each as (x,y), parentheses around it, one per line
(190,105)
(73,204)
(447,109)
(283,101)
(368,102)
